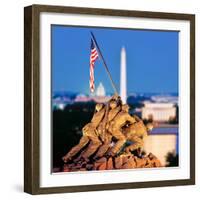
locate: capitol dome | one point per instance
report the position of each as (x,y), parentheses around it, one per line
(100,92)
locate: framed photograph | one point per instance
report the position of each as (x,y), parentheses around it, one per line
(109,99)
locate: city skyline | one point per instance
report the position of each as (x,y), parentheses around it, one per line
(157,72)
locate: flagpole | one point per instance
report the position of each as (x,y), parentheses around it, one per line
(104,62)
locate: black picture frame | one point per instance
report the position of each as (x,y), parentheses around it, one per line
(32,95)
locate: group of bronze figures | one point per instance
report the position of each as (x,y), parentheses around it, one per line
(110,128)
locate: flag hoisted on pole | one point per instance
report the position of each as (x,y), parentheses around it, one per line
(97,49)
(93,57)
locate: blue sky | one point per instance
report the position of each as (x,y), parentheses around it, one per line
(152,59)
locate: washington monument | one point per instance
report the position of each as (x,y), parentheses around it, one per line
(123,80)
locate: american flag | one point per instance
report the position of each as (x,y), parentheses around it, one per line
(93,57)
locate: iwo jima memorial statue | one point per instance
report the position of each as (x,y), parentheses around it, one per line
(113,139)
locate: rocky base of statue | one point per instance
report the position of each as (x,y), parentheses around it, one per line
(123,161)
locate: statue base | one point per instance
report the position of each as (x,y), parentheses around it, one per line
(123,161)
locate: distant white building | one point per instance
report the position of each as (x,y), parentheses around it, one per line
(161,141)
(98,97)
(160,145)
(100,94)
(100,91)
(158,111)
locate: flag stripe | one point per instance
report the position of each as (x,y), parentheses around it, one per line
(93,57)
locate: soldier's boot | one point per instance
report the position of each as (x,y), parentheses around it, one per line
(93,146)
(83,141)
(118,145)
(79,158)
(103,148)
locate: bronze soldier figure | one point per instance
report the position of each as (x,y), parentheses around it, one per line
(89,135)
(100,134)
(105,136)
(136,133)
(115,128)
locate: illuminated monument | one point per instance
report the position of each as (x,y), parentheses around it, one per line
(100,91)
(123,80)
(160,112)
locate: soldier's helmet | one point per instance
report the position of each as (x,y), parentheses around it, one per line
(149,126)
(113,104)
(125,107)
(98,107)
(115,97)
